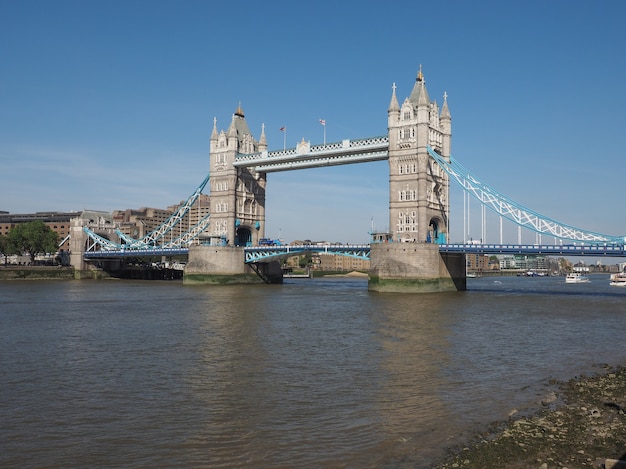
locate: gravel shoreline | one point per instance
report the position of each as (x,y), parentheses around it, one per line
(581,425)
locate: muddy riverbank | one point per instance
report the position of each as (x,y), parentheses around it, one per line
(581,425)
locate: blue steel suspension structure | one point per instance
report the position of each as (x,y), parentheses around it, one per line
(344,152)
(150,241)
(515,212)
(263,253)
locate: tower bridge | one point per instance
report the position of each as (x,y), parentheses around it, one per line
(415,255)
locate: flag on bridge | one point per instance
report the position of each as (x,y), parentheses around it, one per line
(323,122)
(282,129)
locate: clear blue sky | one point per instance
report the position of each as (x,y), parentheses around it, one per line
(110,105)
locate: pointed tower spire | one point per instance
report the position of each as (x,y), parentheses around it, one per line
(214,133)
(445,112)
(424,100)
(231,135)
(393,106)
(446,128)
(232,129)
(239,111)
(262,139)
(419,95)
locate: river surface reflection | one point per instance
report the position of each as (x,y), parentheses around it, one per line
(313,373)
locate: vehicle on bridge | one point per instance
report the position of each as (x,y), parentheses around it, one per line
(270,242)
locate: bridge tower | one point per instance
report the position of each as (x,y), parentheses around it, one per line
(418,200)
(237,194)
(418,187)
(237,212)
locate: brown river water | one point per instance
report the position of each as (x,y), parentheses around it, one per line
(312,373)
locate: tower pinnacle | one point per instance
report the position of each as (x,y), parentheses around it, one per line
(394,106)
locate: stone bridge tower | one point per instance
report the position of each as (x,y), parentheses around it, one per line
(237,194)
(418,187)
(418,201)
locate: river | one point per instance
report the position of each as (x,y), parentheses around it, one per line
(312,373)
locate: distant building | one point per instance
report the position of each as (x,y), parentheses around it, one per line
(137,223)
(477,262)
(327,262)
(524,262)
(59,222)
(200,209)
(339,263)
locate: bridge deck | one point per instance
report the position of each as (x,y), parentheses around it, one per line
(614,250)
(265,253)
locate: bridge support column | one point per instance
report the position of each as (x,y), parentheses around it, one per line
(415,268)
(225,265)
(78,241)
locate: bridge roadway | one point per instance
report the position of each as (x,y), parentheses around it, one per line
(263,253)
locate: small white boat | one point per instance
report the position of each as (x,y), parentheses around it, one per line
(618,280)
(576,277)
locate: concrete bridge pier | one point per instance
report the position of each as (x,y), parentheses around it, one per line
(415,268)
(82,269)
(224,265)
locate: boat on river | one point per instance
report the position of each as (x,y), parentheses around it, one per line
(576,277)
(618,280)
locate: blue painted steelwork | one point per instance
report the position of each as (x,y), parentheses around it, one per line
(596,250)
(252,253)
(265,253)
(355,151)
(136,253)
(150,240)
(515,212)
(362,251)
(316,156)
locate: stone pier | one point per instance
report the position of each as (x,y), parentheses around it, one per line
(225,265)
(415,268)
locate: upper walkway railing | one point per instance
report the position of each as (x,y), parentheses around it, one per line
(316,156)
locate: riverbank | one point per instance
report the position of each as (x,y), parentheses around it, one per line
(36,273)
(581,425)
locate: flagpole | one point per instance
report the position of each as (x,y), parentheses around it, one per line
(285,139)
(323,122)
